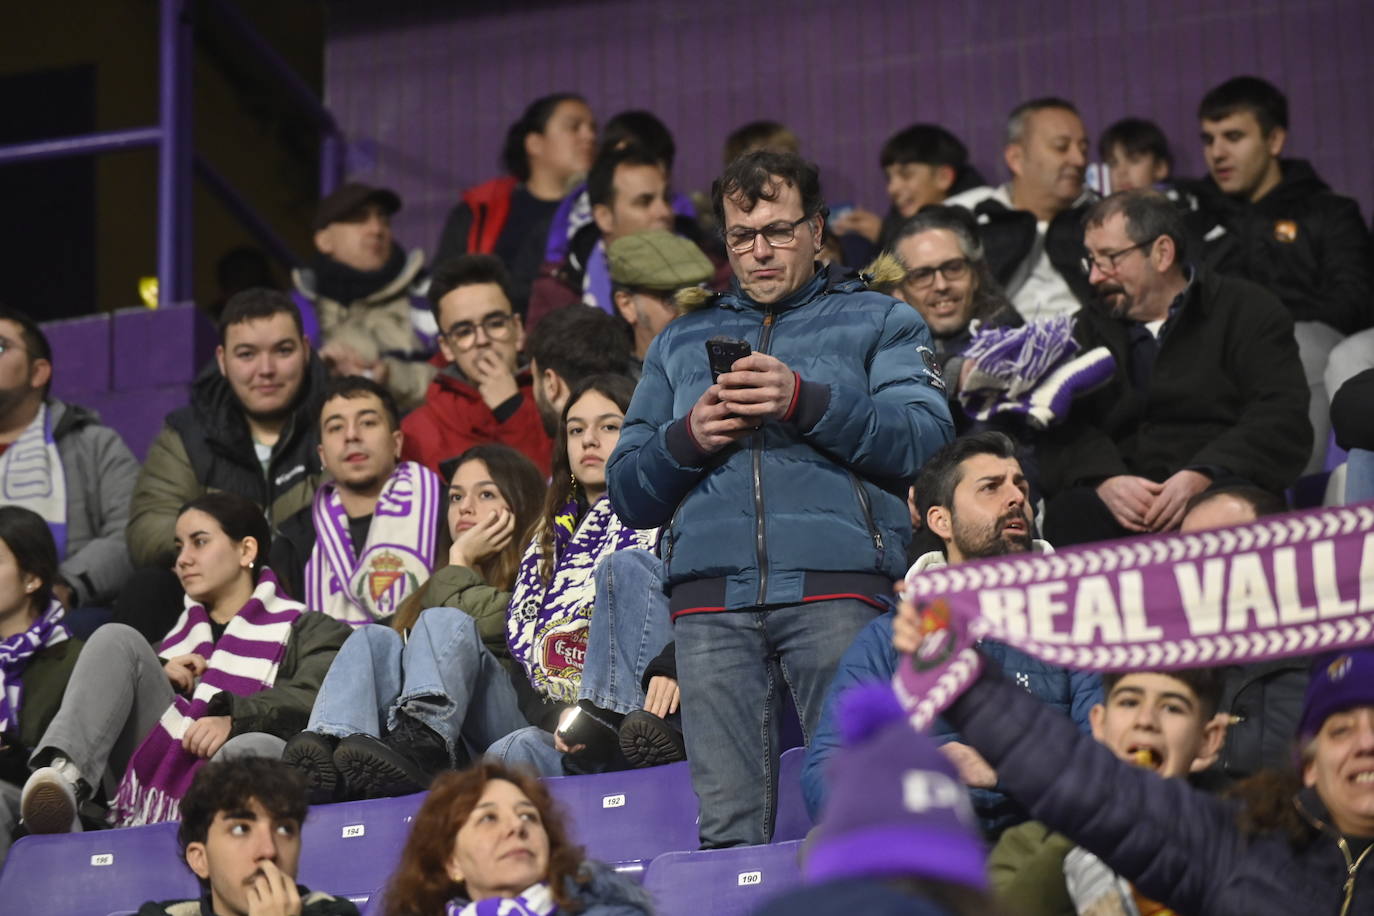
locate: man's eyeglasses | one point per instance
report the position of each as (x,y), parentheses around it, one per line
(777,235)
(497,326)
(951,270)
(1107,261)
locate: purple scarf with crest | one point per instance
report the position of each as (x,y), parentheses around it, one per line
(15,652)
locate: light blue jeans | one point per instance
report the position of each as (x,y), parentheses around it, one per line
(628,628)
(731,666)
(441,675)
(1359,476)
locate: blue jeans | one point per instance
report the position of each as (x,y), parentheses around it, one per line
(1359,477)
(728,665)
(530,747)
(628,628)
(442,676)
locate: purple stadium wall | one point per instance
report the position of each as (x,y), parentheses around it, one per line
(426,93)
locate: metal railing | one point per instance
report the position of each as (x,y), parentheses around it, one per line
(177,159)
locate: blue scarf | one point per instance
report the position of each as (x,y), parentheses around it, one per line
(536,900)
(15,652)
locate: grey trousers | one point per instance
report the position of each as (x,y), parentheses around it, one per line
(116,695)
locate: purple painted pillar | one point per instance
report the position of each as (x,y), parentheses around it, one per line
(175,155)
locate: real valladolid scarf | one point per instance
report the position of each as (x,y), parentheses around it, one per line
(1283,585)
(536,900)
(546,628)
(398,555)
(243,662)
(15,652)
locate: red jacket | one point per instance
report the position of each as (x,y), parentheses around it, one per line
(454,418)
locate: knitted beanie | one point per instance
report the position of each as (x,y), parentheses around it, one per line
(1339,681)
(895,807)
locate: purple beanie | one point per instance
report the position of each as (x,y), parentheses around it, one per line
(1339,681)
(896,807)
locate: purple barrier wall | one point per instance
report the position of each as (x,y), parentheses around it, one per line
(426,93)
(132,367)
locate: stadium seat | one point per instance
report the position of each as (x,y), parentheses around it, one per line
(95,873)
(722,882)
(625,819)
(349,849)
(793,820)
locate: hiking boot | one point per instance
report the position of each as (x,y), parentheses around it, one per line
(313,753)
(649,741)
(403,762)
(49,802)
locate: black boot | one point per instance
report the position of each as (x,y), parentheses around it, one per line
(314,754)
(403,762)
(649,741)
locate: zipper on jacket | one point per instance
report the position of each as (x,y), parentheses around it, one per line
(669,540)
(874,534)
(760,531)
(1352,866)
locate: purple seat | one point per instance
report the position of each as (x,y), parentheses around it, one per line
(91,874)
(350,849)
(722,882)
(627,818)
(793,820)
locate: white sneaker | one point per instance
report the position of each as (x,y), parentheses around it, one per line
(48,803)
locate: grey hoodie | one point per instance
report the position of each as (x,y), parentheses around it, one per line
(101,472)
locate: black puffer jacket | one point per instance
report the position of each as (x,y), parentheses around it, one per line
(207,446)
(1008,236)
(1300,241)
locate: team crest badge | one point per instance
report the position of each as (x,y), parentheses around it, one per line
(937,636)
(1286,231)
(383,572)
(1338,669)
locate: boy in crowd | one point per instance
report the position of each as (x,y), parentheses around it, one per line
(1136,154)
(241,834)
(1163,722)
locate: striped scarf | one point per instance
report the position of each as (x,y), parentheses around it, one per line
(243,662)
(536,900)
(15,652)
(398,555)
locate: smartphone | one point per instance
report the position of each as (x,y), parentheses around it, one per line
(569,728)
(722,351)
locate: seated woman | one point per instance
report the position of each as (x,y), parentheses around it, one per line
(36,651)
(489,840)
(418,692)
(398,728)
(237,674)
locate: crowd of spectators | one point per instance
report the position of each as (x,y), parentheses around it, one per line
(616,472)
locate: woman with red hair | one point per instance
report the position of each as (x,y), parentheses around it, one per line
(489,840)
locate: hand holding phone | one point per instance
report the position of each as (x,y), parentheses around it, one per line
(722,352)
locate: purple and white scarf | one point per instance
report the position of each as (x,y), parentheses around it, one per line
(31,475)
(244,661)
(1281,586)
(546,626)
(535,900)
(1034,371)
(15,652)
(397,558)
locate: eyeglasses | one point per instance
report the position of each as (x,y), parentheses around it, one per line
(1106,262)
(777,235)
(951,270)
(497,326)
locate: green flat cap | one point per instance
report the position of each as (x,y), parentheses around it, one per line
(658,260)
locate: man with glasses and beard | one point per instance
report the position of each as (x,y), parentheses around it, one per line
(973,496)
(1208,388)
(779,484)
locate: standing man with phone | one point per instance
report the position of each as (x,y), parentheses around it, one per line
(781,486)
